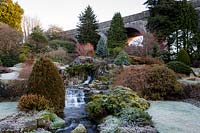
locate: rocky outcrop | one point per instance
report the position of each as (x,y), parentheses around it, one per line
(113,124)
(23,122)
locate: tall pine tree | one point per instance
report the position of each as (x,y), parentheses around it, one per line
(117,33)
(188,23)
(87,28)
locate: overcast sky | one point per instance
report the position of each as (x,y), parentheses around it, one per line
(64,13)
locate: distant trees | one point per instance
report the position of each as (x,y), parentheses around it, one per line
(11,14)
(37,41)
(175,22)
(28,24)
(54,32)
(87,28)
(116,34)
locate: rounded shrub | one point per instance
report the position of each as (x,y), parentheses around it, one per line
(46,81)
(122,59)
(69,46)
(113,102)
(183,57)
(115,51)
(33,102)
(179,67)
(161,84)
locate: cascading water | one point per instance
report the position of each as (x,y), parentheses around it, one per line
(74,112)
(74,98)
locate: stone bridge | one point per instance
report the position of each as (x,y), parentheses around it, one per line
(135,24)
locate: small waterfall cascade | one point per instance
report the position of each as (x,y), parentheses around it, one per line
(89,78)
(74,112)
(74,98)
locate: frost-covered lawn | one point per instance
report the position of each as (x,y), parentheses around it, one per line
(175,117)
(7,108)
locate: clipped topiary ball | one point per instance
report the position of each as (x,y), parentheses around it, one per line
(46,81)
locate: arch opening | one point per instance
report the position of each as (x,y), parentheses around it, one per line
(135,37)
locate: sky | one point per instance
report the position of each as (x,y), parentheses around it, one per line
(64,13)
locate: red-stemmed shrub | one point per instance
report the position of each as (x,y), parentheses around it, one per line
(85,49)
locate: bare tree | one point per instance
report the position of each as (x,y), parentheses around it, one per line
(10,39)
(54,32)
(28,24)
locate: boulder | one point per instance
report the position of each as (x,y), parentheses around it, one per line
(49,119)
(80,129)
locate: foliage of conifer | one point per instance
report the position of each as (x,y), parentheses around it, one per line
(116,34)
(46,81)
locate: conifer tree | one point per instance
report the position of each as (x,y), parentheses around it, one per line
(173,21)
(183,57)
(87,28)
(117,33)
(102,50)
(46,81)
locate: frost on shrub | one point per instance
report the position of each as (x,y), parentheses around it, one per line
(122,59)
(135,116)
(110,124)
(128,117)
(113,101)
(33,102)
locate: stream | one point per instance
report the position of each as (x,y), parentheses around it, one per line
(74,112)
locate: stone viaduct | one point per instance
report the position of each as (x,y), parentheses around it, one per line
(135,24)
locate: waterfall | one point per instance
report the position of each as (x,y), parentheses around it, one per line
(89,78)
(74,98)
(74,112)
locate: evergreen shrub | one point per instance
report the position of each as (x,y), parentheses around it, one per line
(122,59)
(113,102)
(183,57)
(46,81)
(179,67)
